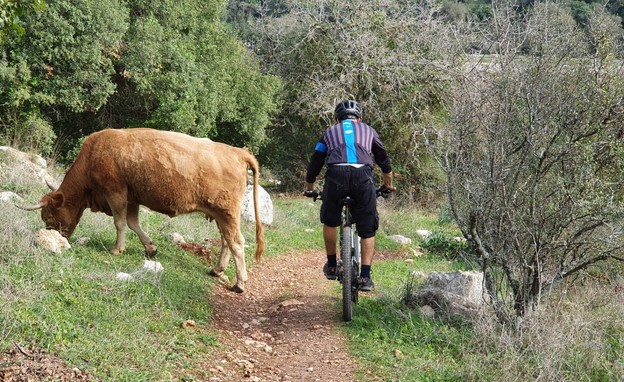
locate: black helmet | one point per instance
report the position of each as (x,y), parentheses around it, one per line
(347,108)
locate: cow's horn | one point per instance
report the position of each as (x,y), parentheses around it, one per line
(52,187)
(31,208)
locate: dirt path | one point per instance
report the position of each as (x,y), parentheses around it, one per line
(285,327)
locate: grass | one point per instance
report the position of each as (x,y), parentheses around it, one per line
(71,305)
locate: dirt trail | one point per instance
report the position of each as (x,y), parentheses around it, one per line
(285,327)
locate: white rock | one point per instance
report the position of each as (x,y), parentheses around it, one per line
(423,233)
(265,205)
(83,240)
(176,238)
(153,266)
(28,163)
(52,240)
(401,239)
(122,276)
(8,196)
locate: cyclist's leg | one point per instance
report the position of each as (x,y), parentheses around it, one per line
(364,212)
(368,250)
(331,217)
(330,237)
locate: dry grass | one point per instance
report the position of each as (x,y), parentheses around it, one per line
(576,335)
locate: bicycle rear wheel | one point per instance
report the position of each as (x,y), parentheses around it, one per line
(347,273)
(357,258)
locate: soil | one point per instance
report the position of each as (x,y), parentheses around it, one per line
(286,326)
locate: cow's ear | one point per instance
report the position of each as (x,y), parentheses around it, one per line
(57,199)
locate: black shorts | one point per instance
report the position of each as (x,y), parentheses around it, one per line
(342,181)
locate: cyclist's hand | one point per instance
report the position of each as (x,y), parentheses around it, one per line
(385,191)
(311,194)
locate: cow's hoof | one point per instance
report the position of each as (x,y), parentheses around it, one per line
(213,273)
(236,288)
(223,279)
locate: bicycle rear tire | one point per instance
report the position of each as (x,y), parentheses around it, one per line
(357,258)
(347,273)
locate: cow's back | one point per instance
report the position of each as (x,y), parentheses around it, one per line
(168,172)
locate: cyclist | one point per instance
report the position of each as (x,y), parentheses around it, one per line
(349,147)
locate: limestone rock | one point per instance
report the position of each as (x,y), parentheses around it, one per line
(52,240)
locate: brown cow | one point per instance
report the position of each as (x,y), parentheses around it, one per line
(172,173)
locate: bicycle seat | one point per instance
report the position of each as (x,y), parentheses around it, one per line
(346,201)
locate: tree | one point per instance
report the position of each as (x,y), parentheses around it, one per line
(389,55)
(84,66)
(181,68)
(534,153)
(61,65)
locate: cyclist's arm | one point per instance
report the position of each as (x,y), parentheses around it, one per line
(316,164)
(383,161)
(381,155)
(387,181)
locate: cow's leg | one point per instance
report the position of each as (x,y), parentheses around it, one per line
(133,222)
(119,209)
(236,243)
(224,257)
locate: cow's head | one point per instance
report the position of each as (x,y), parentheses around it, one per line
(56,214)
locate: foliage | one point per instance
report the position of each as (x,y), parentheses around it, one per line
(441,243)
(533,153)
(10,13)
(378,52)
(82,66)
(195,77)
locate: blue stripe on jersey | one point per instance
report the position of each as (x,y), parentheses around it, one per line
(320,146)
(349,137)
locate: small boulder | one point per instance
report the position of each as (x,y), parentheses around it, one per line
(265,206)
(451,294)
(8,196)
(51,240)
(401,239)
(122,276)
(177,238)
(423,233)
(153,266)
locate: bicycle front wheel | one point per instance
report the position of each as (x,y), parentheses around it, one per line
(347,273)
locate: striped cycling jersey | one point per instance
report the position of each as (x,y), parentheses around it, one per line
(348,142)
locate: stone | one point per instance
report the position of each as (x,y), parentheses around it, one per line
(401,239)
(52,240)
(8,196)
(450,294)
(176,238)
(122,276)
(423,233)
(265,206)
(152,266)
(21,162)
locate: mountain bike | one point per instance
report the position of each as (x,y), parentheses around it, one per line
(348,264)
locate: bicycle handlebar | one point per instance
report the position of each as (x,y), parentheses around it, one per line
(382,191)
(313,194)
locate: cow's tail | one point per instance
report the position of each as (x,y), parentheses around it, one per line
(260,244)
